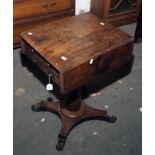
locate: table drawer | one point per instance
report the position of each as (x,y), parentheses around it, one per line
(42,64)
(87,71)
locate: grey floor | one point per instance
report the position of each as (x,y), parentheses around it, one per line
(36,133)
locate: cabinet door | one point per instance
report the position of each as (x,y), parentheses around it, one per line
(121,12)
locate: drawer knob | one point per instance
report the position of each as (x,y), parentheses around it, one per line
(48,64)
(54,4)
(34,60)
(45,5)
(32,50)
(50,75)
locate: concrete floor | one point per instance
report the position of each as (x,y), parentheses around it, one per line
(36,133)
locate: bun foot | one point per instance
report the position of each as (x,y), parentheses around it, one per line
(111,119)
(38,107)
(61,143)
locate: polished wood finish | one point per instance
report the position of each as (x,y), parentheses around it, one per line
(73,52)
(101,8)
(28,14)
(79,39)
(72,111)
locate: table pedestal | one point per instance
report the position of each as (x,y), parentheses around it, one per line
(72,111)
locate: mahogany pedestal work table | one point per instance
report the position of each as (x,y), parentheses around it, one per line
(72,52)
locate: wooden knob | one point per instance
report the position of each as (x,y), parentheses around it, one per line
(50,75)
(45,5)
(34,60)
(53,4)
(48,64)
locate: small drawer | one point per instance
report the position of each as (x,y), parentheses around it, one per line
(85,72)
(95,67)
(43,65)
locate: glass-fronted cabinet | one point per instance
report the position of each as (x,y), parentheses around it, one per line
(117,12)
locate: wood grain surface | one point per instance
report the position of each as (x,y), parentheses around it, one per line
(80,48)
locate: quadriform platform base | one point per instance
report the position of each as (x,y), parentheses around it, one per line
(71,113)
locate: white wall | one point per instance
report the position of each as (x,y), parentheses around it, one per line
(82,6)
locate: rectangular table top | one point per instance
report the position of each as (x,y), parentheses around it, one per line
(72,41)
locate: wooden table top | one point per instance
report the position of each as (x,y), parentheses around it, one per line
(72,41)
